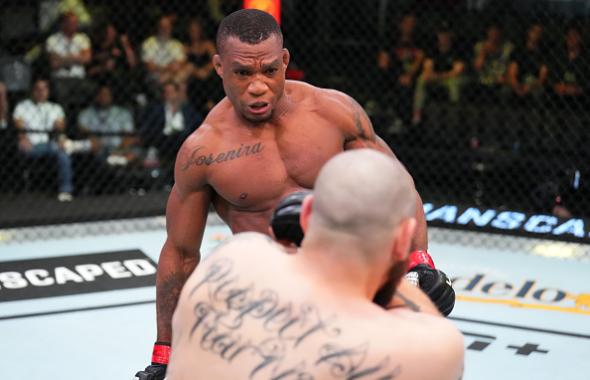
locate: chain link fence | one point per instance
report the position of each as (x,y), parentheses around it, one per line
(485,102)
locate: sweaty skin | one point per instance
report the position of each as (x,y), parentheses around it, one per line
(267,138)
(236,319)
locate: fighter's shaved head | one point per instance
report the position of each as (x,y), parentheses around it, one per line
(251,26)
(362,193)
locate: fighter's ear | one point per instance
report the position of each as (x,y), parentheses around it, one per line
(218,66)
(305,212)
(286,57)
(403,239)
(271,233)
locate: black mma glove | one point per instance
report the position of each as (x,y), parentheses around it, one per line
(157,370)
(433,282)
(285,219)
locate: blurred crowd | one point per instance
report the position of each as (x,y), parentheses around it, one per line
(101,102)
(98,99)
(529,71)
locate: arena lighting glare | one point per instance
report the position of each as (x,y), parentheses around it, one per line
(272,7)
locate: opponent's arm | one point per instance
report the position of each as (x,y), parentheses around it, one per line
(359,133)
(411,297)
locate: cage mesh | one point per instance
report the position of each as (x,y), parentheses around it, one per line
(485,102)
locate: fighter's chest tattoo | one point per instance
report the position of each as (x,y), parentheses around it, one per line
(198,157)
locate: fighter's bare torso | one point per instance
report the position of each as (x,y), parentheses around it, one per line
(248,168)
(236,319)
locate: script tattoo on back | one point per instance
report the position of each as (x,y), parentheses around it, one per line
(229,304)
(197,158)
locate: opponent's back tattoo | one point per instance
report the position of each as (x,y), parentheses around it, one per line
(225,307)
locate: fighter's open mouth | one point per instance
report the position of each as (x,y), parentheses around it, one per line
(258,105)
(259,108)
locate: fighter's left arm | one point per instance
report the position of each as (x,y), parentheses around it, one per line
(359,133)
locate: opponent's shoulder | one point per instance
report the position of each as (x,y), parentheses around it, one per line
(251,238)
(251,243)
(419,335)
(441,335)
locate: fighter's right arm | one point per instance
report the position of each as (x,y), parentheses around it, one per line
(411,297)
(444,348)
(432,348)
(186,216)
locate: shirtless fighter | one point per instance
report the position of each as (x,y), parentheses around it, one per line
(268,138)
(250,311)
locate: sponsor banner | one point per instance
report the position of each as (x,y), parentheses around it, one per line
(66,275)
(508,222)
(517,351)
(272,7)
(523,294)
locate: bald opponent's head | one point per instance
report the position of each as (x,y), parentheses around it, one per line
(362,207)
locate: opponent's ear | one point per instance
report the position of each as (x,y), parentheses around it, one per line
(403,239)
(218,66)
(305,212)
(271,233)
(286,57)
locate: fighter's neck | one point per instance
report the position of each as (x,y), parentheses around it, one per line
(340,270)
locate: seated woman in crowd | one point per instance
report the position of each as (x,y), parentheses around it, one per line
(203,86)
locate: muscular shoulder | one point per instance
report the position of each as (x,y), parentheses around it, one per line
(333,105)
(348,116)
(254,239)
(190,170)
(425,335)
(220,114)
(250,250)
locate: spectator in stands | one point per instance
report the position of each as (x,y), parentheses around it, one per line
(198,69)
(3,107)
(528,70)
(113,60)
(166,124)
(7,148)
(69,51)
(399,67)
(492,57)
(163,56)
(112,126)
(78,8)
(443,69)
(570,70)
(39,122)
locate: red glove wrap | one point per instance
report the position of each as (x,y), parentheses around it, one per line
(419,257)
(161,353)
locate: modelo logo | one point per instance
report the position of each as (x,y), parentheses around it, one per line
(507,221)
(527,294)
(67,275)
